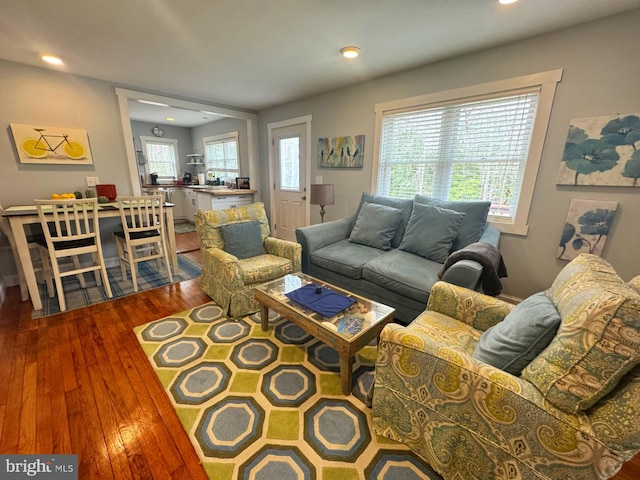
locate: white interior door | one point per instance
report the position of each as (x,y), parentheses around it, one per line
(289,192)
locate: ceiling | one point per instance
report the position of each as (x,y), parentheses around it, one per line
(253,54)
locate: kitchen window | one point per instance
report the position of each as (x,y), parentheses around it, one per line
(221,155)
(476,143)
(162,156)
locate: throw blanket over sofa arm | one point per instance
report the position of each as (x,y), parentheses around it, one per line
(467,273)
(314,237)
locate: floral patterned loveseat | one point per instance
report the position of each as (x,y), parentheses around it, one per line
(573,413)
(230,281)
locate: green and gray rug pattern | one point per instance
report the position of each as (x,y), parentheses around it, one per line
(262,405)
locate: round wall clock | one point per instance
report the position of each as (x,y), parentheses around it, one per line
(157,131)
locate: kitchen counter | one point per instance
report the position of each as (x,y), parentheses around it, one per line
(219,191)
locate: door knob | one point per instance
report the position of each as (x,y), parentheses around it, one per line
(304,197)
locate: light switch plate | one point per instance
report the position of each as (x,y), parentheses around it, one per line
(92,181)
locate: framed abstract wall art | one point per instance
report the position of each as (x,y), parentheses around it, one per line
(602,151)
(51,145)
(586,228)
(341,152)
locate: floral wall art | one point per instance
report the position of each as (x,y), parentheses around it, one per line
(587,228)
(341,152)
(602,151)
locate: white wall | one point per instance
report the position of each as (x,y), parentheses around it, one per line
(39,96)
(601,75)
(181,134)
(220,127)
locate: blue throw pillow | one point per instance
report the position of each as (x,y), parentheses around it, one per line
(431,231)
(473,224)
(243,239)
(404,204)
(376,225)
(525,332)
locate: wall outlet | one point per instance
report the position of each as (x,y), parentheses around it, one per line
(92,181)
(318,179)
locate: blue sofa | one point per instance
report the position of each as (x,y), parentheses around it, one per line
(396,270)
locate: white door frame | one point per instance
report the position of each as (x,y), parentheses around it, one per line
(306,120)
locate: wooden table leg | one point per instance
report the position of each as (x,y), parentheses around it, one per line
(346,371)
(264,317)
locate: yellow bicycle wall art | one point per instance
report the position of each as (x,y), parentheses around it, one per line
(53,145)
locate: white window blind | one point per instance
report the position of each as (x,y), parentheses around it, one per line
(162,156)
(221,154)
(476,150)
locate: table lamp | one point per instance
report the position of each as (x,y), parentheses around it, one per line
(322,194)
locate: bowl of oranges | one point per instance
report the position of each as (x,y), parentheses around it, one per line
(63,196)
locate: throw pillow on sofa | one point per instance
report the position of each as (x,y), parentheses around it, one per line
(525,332)
(431,231)
(243,239)
(404,204)
(473,223)
(376,225)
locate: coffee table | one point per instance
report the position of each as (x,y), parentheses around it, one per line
(347,332)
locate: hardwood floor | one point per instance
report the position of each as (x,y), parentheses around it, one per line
(79,383)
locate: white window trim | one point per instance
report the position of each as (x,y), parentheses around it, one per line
(545,81)
(143,141)
(218,138)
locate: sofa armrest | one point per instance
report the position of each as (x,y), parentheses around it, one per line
(285,249)
(225,265)
(427,394)
(465,305)
(491,235)
(314,237)
(465,273)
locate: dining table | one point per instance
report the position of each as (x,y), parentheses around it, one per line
(21,216)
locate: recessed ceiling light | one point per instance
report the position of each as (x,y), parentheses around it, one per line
(350,52)
(507,2)
(149,102)
(170,119)
(52,60)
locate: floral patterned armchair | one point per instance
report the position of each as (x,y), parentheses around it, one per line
(230,281)
(573,413)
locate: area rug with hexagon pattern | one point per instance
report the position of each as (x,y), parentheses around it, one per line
(269,405)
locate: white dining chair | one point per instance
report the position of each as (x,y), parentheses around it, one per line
(71,228)
(143,234)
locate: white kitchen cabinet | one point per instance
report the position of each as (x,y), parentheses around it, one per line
(190,204)
(176,196)
(204,201)
(220,202)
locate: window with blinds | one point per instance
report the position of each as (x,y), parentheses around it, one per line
(162,156)
(475,150)
(221,155)
(479,142)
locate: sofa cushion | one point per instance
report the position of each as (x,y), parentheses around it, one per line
(403,273)
(376,226)
(431,231)
(527,330)
(404,204)
(473,223)
(345,258)
(264,268)
(243,239)
(598,341)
